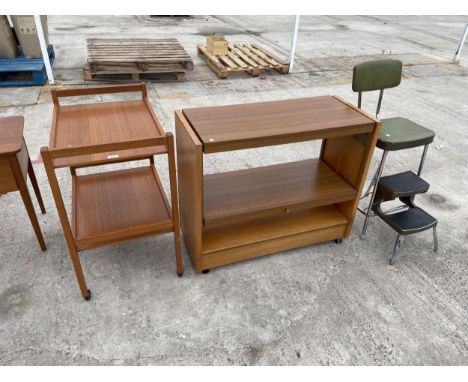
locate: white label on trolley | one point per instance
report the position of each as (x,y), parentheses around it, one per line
(113,156)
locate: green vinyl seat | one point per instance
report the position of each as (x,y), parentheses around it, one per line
(402,133)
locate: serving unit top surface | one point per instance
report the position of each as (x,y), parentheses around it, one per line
(222,128)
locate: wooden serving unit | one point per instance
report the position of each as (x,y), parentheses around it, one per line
(119,205)
(237,215)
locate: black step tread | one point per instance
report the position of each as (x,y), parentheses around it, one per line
(410,221)
(403,184)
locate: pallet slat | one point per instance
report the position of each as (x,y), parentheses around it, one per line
(250,58)
(228,62)
(237,60)
(250,64)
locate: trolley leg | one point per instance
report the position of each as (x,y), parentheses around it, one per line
(436,242)
(377,178)
(175,202)
(396,249)
(85,292)
(179,263)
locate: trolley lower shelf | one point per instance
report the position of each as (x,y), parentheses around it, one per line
(118,205)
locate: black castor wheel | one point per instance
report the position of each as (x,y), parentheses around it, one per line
(205,271)
(180,274)
(88,296)
(338,241)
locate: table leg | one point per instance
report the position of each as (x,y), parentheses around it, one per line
(32,176)
(23,189)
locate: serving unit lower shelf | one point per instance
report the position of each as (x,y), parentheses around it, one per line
(231,242)
(116,206)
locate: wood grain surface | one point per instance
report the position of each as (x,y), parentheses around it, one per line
(11,134)
(307,183)
(233,127)
(111,202)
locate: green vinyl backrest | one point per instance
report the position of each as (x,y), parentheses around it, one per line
(376,75)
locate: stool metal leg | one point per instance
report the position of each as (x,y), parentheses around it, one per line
(421,165)
(377,178)
(436,242)
(371,184)
(396,248)
(423,158)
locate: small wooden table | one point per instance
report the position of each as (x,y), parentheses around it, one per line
(15,165)
(237,215)
(113,206)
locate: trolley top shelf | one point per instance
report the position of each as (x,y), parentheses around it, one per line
(87,124)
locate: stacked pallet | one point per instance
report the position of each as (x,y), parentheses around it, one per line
(136,59)
(22,71)
(250,58)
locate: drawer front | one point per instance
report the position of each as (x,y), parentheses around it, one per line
(7,179)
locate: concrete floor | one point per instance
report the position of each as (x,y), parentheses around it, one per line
(325,304)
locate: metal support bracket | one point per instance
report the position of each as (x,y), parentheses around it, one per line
(456,57)
(292,51)
(43,44)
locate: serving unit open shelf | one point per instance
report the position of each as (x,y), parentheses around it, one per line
(241,194)
(237,215)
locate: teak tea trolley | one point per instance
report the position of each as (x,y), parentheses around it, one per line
(119,205)
(237,215)
(15,166)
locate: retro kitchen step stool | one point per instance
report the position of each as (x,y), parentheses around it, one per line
(396,134)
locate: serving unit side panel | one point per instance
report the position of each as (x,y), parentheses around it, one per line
(190,181)
(350,157)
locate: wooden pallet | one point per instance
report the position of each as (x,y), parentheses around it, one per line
(250,58)
(136,59)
